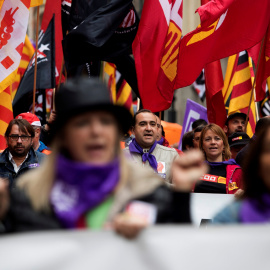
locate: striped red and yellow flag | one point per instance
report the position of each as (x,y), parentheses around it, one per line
(121,92)
(35,3)
(1,3)
(6,114)
(27,53)
(238,86)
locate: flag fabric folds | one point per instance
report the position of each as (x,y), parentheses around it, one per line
(103,35)
(14,16)
(53,7)
(227,27)
(155,50)
(6,114)
(45,71)
(238,86)
(216,112)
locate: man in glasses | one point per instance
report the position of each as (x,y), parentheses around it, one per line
(19,156)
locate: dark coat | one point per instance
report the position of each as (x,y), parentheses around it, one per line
(172,207)
(6,168)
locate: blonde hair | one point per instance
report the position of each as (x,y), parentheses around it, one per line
(219,131)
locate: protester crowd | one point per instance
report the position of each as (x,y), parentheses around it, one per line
(85,180)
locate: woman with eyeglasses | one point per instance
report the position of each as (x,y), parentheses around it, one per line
(224,174)
(254,206)
(87,182)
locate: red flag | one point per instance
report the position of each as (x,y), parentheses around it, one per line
(263,68)
(216,112)
(54,7)
(155,50)
(227,27)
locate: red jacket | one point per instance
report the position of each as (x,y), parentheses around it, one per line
(233,178)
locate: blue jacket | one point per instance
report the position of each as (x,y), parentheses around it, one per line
(6,168)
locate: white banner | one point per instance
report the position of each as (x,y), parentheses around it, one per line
(158,248)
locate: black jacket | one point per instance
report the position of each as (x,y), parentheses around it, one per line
(172,207)
(6,168)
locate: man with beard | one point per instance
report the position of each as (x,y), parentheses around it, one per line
(19,156)
(235,123)
(144,148)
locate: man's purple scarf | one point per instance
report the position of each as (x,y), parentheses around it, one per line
(134,147)
(79,187)
(256,210)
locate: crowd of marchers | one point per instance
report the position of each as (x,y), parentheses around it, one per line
(84,179)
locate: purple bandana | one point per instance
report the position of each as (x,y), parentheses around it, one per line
(161,141)
(79,187)
(253,210)
(227,162)
(134,147)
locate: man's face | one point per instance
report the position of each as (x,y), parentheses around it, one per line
(145,129)
(236,124)
(18,147)
(159,130)
(196,139)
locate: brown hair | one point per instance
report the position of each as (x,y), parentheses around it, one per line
(23,125)
(218,130)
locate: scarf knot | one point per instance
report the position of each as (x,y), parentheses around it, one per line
(134,147)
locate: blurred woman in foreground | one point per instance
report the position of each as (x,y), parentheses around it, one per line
(224,175)
(255,204)
(86,181)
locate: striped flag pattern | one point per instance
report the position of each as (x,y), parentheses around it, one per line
(265,104)
(237,88)
(35,3)
(28,52)
(6,114)
(121,92)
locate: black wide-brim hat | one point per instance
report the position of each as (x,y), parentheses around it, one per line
(83,94)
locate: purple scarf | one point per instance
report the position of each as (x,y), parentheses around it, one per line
(253,210)
(161,141)
(79,187)
(134,147)
(227,162)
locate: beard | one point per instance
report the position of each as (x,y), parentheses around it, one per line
(19,150)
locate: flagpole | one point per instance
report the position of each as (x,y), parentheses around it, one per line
(35,70)
(60,75)
(254,82)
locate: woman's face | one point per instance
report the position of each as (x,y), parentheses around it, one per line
(265,161)
(92,137)
(213,146)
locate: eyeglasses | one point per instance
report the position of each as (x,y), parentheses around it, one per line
(15,138)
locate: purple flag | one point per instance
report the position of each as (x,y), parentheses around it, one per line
(194,111)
